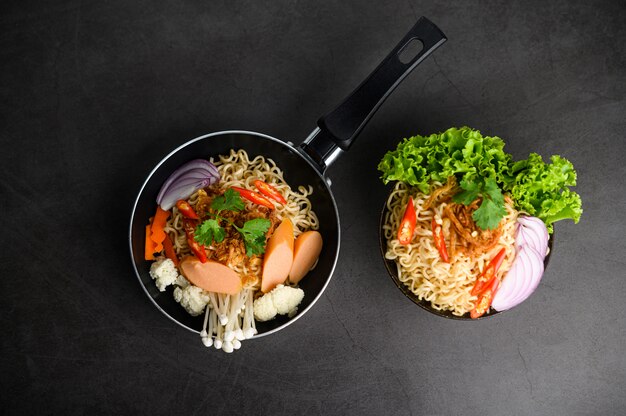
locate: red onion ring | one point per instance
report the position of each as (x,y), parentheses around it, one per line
(532,231)
(197,166)
(183,189)
(521,280)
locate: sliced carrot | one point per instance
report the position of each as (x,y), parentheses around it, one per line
(158,225)
(278,256)
(150,246)
(170,253)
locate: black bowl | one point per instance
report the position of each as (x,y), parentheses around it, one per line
(390,265)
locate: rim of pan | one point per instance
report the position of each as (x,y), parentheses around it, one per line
(264,136)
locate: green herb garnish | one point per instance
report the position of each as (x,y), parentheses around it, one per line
(483,169)
(209,231)
(253,231)
(492,208)
(231,201)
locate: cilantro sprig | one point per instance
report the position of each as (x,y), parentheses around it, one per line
(492,208)
(230,200)
(209,231)
(253,231)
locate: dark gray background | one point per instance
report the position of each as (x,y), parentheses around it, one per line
(94,93)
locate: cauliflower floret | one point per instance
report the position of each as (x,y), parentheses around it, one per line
(281,300)
(287,299)
(192,298)
(181,281)
(164,273)
(264,308)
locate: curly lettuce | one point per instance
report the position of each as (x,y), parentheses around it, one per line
(483,169)
(464,152)
(542,189)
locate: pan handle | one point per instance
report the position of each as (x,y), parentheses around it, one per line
(339,128)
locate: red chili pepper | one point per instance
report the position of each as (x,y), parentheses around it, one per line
(196,248)
(170,253)
(186,209)
(254,197)
(440,242)
(407,225)
(489,274)
(484,299)
(269,191)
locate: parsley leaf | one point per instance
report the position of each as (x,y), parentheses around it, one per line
(253,233)
(492,191)
(492,207)
(209,231)
(489,214)
(471,190)
(231,200)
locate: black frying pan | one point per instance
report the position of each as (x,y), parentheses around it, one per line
(302,165)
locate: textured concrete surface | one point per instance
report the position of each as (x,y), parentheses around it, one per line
(94,93)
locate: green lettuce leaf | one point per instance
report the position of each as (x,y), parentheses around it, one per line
(479,163)
(542,189)
(483,169)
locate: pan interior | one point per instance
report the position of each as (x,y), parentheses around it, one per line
(297,171)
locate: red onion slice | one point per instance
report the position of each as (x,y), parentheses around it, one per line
(502,300)
(535,272)
(532,231)
(196,165)
(521,280)
(183,189)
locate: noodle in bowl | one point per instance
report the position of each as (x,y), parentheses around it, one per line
(417,268)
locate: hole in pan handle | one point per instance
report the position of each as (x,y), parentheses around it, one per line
(339,128)
(410,51)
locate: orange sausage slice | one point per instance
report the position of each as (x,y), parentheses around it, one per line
(211,275)
(278,256)
(307,249)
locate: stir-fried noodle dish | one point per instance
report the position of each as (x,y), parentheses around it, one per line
(446,285)
(233,239)
(466,226)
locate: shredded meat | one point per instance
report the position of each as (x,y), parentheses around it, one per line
(444,192)
(203,203)
(473,240)
(232,250)
(452,251)
(464,235)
